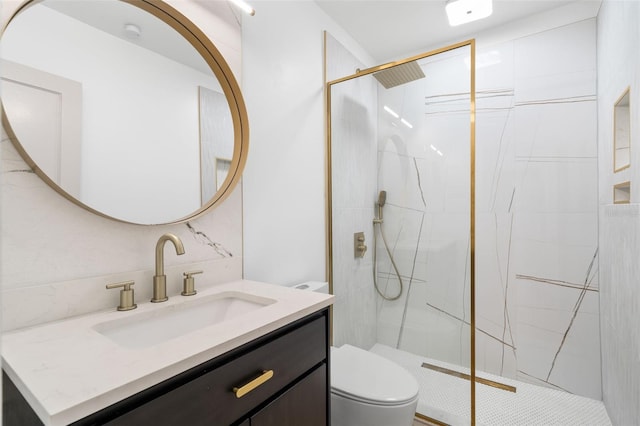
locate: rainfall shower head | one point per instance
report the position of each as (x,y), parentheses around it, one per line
(400,74)
(382,198)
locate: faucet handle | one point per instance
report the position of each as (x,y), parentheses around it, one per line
(126,295)
(189,283)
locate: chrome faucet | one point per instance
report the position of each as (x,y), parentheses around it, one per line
(160,279)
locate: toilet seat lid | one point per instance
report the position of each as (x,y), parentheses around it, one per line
(364,376)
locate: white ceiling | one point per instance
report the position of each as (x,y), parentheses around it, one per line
(389,28)
(386,29)
(155,35)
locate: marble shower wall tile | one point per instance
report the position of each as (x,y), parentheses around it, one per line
(353,168)
(59,300)
(428,317)
(620,303)
(554,262)
(536,210)
(536,218)
(354,314)
(53,250)
(618,66)
(556,64)
(497,328)
(425,171)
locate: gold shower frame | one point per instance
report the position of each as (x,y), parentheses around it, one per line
(472,172)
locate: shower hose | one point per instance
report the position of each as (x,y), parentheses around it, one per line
(375,263)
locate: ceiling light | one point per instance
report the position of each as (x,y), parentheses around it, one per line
(244,6)
(462,11)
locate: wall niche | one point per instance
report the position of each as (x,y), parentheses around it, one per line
(622,133)
(622,193)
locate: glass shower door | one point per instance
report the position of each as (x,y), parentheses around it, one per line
(401,169)
(424,165)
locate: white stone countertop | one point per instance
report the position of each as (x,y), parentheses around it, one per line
(67,370)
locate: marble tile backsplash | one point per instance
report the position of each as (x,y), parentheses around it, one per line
(33,305)
(57,257)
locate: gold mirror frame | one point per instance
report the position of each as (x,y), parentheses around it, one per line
(220,69)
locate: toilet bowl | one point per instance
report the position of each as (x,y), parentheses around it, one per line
(367,389)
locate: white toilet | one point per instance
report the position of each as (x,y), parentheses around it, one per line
(367,389)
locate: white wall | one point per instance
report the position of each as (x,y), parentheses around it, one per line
(57,257)
(618,69)
(284,180)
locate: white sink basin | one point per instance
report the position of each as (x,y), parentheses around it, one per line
(163,323)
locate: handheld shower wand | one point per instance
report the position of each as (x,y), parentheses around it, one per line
(382,199)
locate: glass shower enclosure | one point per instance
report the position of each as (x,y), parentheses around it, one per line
(400,212)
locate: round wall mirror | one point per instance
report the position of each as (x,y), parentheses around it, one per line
(124,107)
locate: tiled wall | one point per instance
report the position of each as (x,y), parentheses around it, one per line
(425,170)
(353,164)
(548,233)
(536,219)
(57,257)
(618,66)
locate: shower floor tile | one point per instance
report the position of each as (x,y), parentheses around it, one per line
(446,398)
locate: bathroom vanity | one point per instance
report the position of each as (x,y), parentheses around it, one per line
(267,366)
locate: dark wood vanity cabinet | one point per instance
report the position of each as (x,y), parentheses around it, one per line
(296,394)
(303,404)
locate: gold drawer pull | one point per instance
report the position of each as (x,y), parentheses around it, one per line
(243,390)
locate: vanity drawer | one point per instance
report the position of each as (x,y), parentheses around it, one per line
(210,400)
